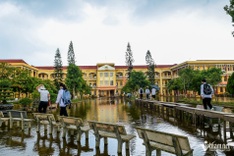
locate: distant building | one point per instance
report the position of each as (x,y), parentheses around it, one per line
(107,78)
(227,66)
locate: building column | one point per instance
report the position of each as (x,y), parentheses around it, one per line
(160,83)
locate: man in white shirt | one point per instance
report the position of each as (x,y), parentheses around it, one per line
(44,98)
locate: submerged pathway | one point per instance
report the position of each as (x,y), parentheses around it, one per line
(194,116)
(167,118)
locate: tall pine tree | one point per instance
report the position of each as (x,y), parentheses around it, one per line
(129,60)
(71,54)
(58,68)
(151,67)
(74,79)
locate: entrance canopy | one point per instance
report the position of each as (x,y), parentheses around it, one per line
(106,88)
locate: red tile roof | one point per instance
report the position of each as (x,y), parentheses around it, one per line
(47,67)
(64,67)
(88,67)
(12,61)
(81,67)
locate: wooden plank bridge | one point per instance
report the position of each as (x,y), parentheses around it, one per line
(194,116)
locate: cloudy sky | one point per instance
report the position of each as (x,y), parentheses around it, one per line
(173,31)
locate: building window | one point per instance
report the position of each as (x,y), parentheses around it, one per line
(101,83)
(106,74)
(111,83)
(101,74)
(106,83)
(225,78)
(221,89)
(111,74)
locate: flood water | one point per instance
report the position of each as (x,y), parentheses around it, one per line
(29,143)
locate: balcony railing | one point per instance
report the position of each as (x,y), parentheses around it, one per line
(92,78)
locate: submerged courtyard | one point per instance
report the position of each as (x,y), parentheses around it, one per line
(120,111)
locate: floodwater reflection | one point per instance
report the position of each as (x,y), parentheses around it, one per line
(45,144)
(17,138)
(120,111)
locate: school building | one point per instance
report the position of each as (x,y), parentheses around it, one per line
(107,78)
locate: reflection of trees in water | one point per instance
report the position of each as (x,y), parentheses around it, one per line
(133,110)
(90,107)
(105,152)
(108,100)
(43,145)
(72,147)
(15,138)
(80,109)
(48,145)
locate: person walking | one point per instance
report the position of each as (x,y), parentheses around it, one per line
(147,92)
(59,100)
(206,92)
(141,92)
(153,92)
(44,98)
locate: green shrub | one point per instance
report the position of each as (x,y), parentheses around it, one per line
(25,101)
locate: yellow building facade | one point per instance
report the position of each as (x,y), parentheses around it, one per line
(107,79)
(227,66)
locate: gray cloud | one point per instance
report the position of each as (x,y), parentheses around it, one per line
(148,10)
(59,9)
(28,28)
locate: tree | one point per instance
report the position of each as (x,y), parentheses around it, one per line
(71,54)
(58,68)
(196,81)
(151,67)
(137,80)
(230,11)
(22,82)
(6,71)
(84,88)
(25,81)
(6,75)
(74,79)
(129,60)
(230,85)
(186,75)
(190,79)
(17,80)
(212,75)
(175,85)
